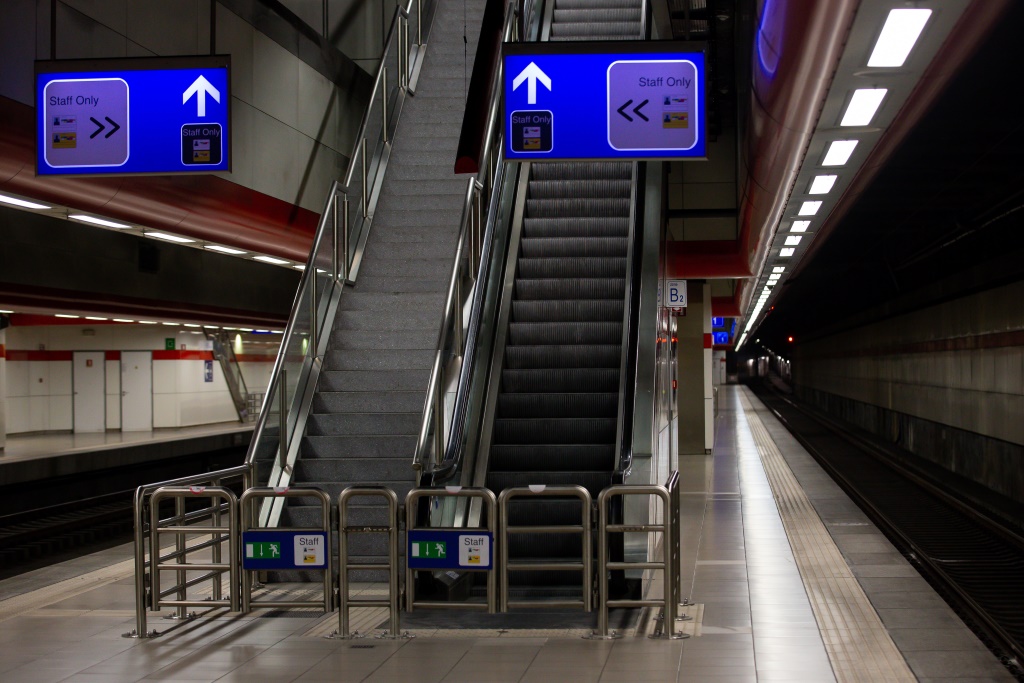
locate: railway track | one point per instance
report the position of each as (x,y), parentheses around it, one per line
(975,562)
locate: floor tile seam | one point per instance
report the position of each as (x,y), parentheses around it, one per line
(870,620)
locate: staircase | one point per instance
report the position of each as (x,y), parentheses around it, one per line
(368,405)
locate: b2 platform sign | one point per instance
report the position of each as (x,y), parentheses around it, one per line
(438,549)
(126,116)
(604,100)
(284,550)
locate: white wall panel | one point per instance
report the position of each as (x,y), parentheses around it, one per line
(113,368)
(60,414)
(60,378)
(165,377)
(17,378)
(18,414)
(38,413)
(165,410)
(205,407)
(38,378)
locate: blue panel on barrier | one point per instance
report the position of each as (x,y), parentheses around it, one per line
(124,116)
(284,550)
(614,100)
(433,549)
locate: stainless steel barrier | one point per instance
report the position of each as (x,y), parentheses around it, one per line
(247,503)
(143,566)
(176,525)
(346,602)
(584,566)
(669,528)
(491,509)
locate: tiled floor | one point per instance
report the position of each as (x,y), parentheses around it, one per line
(761,604)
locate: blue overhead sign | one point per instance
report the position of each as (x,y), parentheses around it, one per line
(604,100)
(158,115)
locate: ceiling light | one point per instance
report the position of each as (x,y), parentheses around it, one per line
(809,208)
(147,322)
(277,332)
(191,325)
(98,221)
(169,238)
(793,240)
(786,253)
(799,226)
(839,152)
(270,259)
(224,250)
(123,320)
(212,327)
(65,315)
(230,328)
(171,324)
(900,33)
(774,278)
(822,184)
(93,317)
(6,311)
(779,269)
(14,201)
(244,329)
(862,107)
(299,267)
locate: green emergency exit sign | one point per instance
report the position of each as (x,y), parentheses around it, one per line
(263,550)
(430,549)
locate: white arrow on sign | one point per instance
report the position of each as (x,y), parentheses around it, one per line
(201,88)
(531,74)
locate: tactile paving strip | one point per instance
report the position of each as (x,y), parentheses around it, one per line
(858,644)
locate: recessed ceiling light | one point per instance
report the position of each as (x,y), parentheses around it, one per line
(793,240)
(24,204)
(172,324)
(779,269)
(809,208)
(93,317)
(839,152)
(65,315)
(147,322)
(270,259)
(822,184)
(786,253)
(899,35)
(211,327)
(98,221)
(191,325)
(230,328)
(225,250)
(799,226)
(245,329)
(123,320)
(169,238)
(862,107)
(3,311)
(277,332)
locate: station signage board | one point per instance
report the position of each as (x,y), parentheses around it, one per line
(604,100)
(446,549)
(263,550)
(133,116)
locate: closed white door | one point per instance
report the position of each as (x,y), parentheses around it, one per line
(88,380)
(136,391)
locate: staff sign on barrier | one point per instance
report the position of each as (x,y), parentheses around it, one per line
(429,549)
(284,550)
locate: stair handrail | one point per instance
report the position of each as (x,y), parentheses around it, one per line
(436,434)
(336,251)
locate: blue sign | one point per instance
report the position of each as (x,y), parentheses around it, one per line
(159,115)
(717,322)
(284,550)
(438,549)
(614,100)
(721,337)
(207,370)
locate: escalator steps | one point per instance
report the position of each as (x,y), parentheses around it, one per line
(551,457)
(582,188)
(567,310)
(525,334)
(564,357)
(578,288)
(560,380)
(560,247)
(590,404)
(559,430)
(554,208)
(586,266)
(590,226)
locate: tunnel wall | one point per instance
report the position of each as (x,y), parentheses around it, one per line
(945,382)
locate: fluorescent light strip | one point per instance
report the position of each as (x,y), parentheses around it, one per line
(793,240)
(98,221)
(299,267)
(147,322)
(270,259)
(172,324)
(809,208)
(225,250)
(22,203)
(899,35)
(65,315)
(123,320)
(799,226)
(822,184)
(779,269)
(862,107)
(786,253)
(191,325)
(2,311)
(93,317)
(169,238)
(839,152)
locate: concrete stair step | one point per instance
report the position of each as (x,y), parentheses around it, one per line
(357,424)
(341,447)
(368,402)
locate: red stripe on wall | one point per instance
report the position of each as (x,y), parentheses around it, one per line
(183,355)
(112,355)
(709,341)
(3,353)
(39,355)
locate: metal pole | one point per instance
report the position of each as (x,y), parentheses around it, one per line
(384,102)
(362,154)
(334,236)
(393,566)
(233,550)
(343,631)
(312,312)
(179,546)
(459,341)
(139,510)
(344,235)
(438,419)
(282,394)
(602,565)
(419,22)
(215,550)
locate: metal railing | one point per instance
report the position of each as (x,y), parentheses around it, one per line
(669,565)
(181,529)
(454,340)
(584,565)
(246,504)
(334,258)
(345,601)
(481,496)
(232,371)
(147,555)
